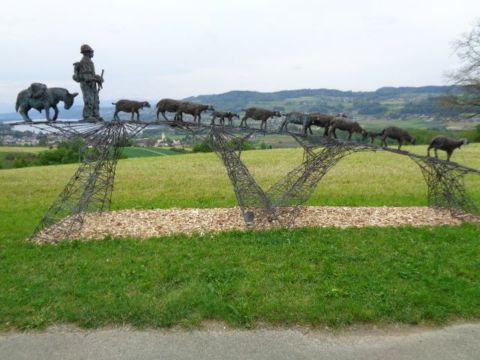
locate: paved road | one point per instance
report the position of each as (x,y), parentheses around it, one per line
(454,342)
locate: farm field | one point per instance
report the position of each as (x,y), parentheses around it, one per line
(305,276)
(129,151)
(22,149)
(135,152)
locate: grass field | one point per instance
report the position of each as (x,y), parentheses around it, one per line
(361,179)
(22,149)
(305,276)
(134,152)
(200,180)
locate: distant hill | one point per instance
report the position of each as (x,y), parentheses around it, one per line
(288,94)
(389,102)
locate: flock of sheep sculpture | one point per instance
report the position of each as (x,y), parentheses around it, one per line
(330,123)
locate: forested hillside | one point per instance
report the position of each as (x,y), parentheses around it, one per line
(387,102)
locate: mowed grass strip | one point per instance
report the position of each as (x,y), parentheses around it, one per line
(306,276)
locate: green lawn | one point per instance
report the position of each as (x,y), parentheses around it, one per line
(308,276)
(303,276)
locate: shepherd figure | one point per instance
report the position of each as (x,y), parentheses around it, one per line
(90,83)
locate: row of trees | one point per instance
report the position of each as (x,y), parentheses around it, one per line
(67,152)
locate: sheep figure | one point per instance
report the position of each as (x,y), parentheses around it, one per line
(129,106)
(398,134)
(167,105)
(295,117)
(371,134)
(345,125)
(321,120)
(222,115)
(194,109)
(259,114)
(446,144)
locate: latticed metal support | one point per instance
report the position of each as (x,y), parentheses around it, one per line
(250,196)
(297,187)
(444,179)
(445,183)
(90,188)
(279,205)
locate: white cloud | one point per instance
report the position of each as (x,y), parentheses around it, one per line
(153,49)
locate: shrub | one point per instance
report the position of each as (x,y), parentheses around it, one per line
(204,147)
(67,152)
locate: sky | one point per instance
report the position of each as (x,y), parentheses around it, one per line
(155,49)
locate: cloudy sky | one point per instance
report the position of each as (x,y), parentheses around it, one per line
(153,49)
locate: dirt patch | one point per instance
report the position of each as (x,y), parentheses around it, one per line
(150,223)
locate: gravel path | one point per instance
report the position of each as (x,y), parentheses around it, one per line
(158,222)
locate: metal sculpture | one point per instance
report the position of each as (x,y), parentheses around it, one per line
(445,183)
(129,106)
(444,179)
(39,97)
(90,84)
(279,205)
(250,196)
(91,187)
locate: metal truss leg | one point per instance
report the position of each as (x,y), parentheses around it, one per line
(279,205)
(89,189)
(445,183)
(297,186)
(252,200)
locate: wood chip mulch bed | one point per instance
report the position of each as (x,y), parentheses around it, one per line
(150,223)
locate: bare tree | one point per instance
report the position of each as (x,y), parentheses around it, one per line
(467,77)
